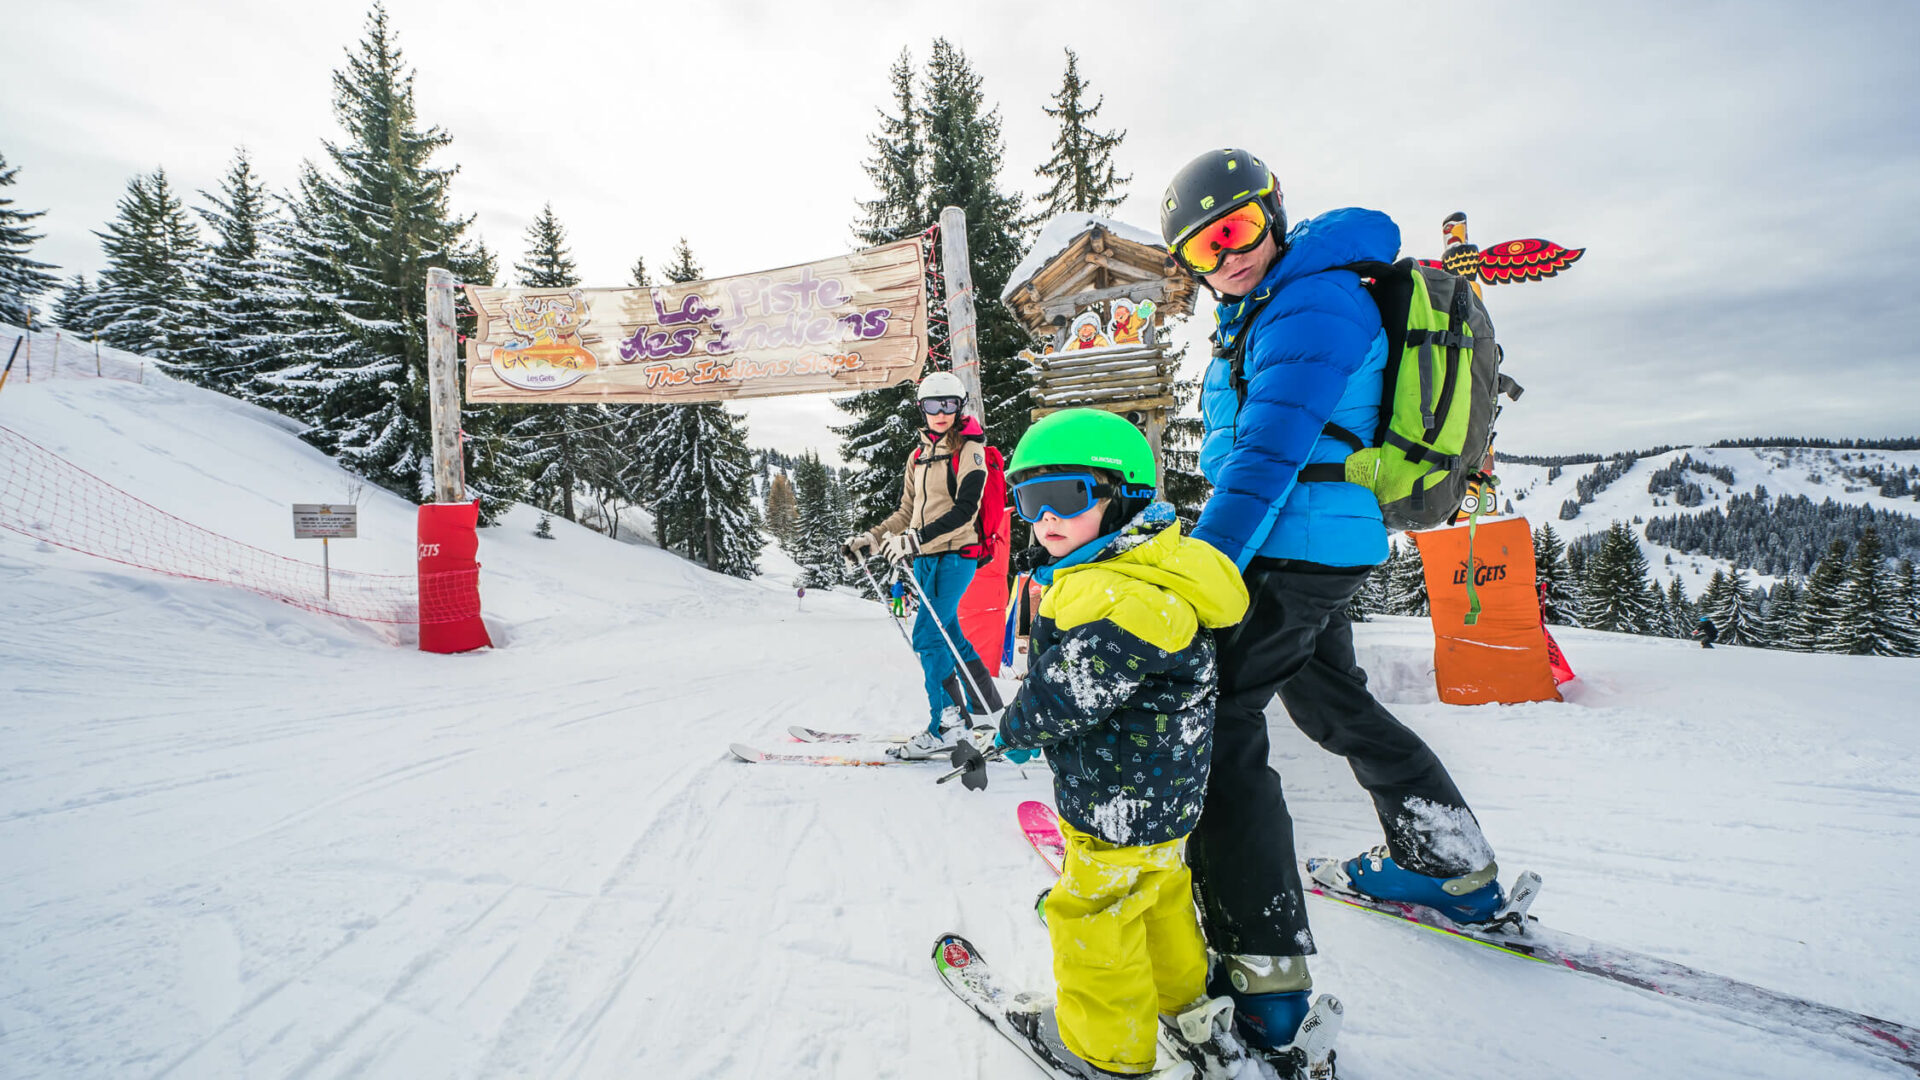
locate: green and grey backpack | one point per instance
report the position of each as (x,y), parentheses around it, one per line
(1440,396)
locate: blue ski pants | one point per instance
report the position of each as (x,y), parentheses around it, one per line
(943,578)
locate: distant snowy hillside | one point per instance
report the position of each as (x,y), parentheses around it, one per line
(1816,474)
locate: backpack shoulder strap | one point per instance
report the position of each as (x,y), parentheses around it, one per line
(1237,374)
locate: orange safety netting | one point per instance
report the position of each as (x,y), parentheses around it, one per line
(46,497)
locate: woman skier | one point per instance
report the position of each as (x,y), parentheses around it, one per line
(945,476)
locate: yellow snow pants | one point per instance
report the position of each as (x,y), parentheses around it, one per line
(1126,947)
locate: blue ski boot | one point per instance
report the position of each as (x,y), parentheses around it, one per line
(1470,898)
(1271,995)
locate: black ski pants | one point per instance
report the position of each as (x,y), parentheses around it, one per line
(1296,639)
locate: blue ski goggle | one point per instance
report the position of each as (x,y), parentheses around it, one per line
(1065,495)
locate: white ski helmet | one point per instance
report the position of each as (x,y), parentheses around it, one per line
(941,384)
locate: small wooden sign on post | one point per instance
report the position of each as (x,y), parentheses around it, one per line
(324,522)
(1099,292)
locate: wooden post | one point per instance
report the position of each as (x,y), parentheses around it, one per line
(443,389)
(960,319)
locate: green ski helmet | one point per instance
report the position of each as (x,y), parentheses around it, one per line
(1091,439)
(1088,438)
(1210,185)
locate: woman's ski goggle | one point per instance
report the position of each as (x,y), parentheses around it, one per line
(1065,495)
(940,406)
(1237,230)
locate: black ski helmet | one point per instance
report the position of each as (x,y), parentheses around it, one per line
(1214,183)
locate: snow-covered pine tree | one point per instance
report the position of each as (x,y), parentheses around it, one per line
(1184,485)
(1815,627)
(145,300)
(703,498)
(682,267)
(1406,581)
(363,238)
(1909,580)
(1617,585)
(245,290)
(880,433)
(1081,169)
(1776,612)
(1375,591)
(549,442)
(22,280)
(1358,606)
(73,308)
(1713,598)
(1659,619)
(840,504)
(943,148)
(1681,614)
(1737,616)
(615,460)
(1559,595)
(964,151)
(818,529)
(1869,617)
(701,473)
(896,168)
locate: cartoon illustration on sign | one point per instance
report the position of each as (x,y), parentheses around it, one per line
(1129,320)
(544,351)
(1085,332)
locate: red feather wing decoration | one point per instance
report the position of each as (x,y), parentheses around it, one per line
(1435,263)
(1525,260)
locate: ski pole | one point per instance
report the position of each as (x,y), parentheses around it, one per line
(959,662)
(16,352)
(972,770)
(871,580)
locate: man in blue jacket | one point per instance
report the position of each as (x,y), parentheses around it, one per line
(1294,387)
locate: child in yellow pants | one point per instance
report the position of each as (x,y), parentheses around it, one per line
(1126,947)
(1120,694)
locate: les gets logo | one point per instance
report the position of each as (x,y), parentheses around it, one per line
(1482,573)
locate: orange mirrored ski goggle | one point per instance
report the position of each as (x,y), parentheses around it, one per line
(1239,229)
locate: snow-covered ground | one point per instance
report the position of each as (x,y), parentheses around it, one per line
(237,839)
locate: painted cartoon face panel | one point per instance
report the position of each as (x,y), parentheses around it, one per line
(1086,332)
(1130,320)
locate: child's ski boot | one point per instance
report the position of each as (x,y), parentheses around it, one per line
(1032,1016)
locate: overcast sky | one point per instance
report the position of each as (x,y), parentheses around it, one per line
(1745,176)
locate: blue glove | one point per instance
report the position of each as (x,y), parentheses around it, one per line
(1018,757)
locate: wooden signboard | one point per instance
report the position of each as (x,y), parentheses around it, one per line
(850,323)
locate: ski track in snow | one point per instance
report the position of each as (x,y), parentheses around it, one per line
(237,839)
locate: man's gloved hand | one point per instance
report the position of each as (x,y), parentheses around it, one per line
(901,547)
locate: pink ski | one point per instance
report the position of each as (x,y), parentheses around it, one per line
(1042,827)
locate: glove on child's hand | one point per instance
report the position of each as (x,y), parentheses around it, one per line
(1013,754)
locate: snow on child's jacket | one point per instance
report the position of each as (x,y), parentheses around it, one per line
(1316,353)
(1120,692)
